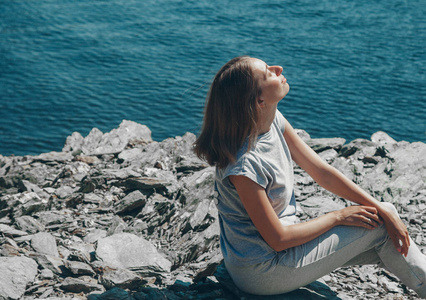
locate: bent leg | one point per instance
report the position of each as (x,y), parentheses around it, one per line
(299,266)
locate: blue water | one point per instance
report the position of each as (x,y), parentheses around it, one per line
(354,67)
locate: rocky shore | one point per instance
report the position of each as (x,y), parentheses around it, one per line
(119,216)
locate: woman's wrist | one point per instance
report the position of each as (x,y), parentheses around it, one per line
(336,217)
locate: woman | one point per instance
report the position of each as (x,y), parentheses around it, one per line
(265,250)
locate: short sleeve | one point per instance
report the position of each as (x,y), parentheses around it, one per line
(249,167)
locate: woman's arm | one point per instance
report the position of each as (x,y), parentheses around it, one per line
(334,181)
(280,237)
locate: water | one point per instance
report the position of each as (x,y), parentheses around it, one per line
(354,67)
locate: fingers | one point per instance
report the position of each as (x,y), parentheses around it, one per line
(400,237)
(361,216)
(370,223)
(405,244)
(400,246)
(370,217)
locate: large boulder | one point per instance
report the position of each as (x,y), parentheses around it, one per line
(15,274)
(128,251)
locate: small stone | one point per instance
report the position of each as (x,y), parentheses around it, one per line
(10,231)
(44,243)
(75,285)
(94,235)
(113,294)
(319,145)
(79,268)
(121,278)
(134,200)
(53,263)
(46,274)
(200,213)
(29,224)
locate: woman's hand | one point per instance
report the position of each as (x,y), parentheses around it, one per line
(396,229)
(358,215)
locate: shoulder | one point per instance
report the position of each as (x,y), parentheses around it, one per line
(248,164)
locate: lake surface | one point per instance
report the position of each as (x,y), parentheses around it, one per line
(354,67)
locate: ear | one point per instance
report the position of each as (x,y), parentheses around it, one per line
(261,102)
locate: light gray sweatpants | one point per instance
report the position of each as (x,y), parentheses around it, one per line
(341,246)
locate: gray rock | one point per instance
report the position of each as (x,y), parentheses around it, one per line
(303,134)
(76,285)
(10,231)
(190,164)
(29,224)
(75,170)
(97,143)
(64,191)
(94,235)
(8,247)
(199,185)
(329,155)
(117,226)
(355,145)
(73,143)
(46,274)
(92,198)
(319,145)
(53,157)
(134,200)
(122,173)
(29,203)
(49,218)
(200,213)
(113,294)
(52,263)
(87,159)
(79,268)
(27,186)
(382,138)
(81,251)
(146,183)
(44,243)
(128,251)
(15,274)
(121,278)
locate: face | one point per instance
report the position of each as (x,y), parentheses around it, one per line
(271,81)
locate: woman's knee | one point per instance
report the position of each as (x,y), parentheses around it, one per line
(390,206)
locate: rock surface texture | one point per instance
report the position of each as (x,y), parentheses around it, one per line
(119,216)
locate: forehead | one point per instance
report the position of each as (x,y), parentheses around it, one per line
(258,67)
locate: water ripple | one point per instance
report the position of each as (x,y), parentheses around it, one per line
(353,67)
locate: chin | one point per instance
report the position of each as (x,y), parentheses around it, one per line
(286,90)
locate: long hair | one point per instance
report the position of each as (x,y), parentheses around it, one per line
(230,114)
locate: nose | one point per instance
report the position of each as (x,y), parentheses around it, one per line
(278,70)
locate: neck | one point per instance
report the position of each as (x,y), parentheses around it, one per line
(267,115)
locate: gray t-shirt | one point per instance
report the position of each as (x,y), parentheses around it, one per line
(269,164)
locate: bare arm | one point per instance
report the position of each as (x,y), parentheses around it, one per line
(334,181)
(279,237)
